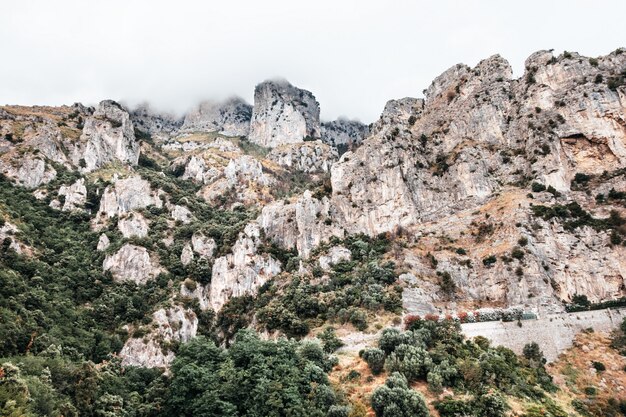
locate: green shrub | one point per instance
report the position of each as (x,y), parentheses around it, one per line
(537,187)
(375,359)
(397,399)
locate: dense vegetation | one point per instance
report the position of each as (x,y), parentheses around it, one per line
(436,352)
(344,294)
(253,378)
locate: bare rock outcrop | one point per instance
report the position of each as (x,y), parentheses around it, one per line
(133,225)
(30,173)
(245,169)
(309,157)
(8,231)
(303,224)
(103,242)
(344,134)
(229,118)
(175,324)
(127,194)
(160,126)
(243,271)
(334,255)
(108,135)
(73,196)
(478,129)
(131,263)
(283,114)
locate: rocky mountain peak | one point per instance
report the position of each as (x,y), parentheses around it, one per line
(108,135)
(283,114)
(230,117)
(344,134)
(157,124)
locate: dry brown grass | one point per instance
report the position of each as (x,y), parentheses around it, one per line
(573,371)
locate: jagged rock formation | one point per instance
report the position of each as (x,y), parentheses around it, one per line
(74,196)
(128,194)
(8,231)
(283,114)
(446,178)
(131,263)
(32,172)
(344,134)
(303,224)
(180,214)
(243,271)
(309,157)
(229,118)
(103,242)
(108,135)
(160,126)
(334,255)
(426,162)
(32,138)
(197,170)
(175,324)
(133,225)
(201,245)
(478,135)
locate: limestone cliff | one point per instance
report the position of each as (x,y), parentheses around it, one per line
(344,134)
(108,135)
(229,118)
(283,114)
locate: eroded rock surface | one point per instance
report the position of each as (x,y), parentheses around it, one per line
(243,271)
(175,324)
(131,263)
(283,114)
(344,134)
(108,135)
(309,157)
(229,118)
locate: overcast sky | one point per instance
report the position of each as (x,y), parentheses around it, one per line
(353,55)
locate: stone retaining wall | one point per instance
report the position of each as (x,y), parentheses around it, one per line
(554,333)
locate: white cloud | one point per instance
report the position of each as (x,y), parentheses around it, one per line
(353,55)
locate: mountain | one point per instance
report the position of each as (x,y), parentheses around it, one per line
(139,241)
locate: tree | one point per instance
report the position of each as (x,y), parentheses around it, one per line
(532,352)
(330,341)
(412,361)
(396,399)
(375,359)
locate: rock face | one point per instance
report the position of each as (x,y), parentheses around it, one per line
(133,225)
(175,324)
(334,255)
(303,224)
(245,169)
(477,141)
(160,126)
(8,231)
(429,159)
(103,242)
(131,263)
(229,118)
(309,157)
(202,245)
(33,137)
(344,134)
(180,214)
(128,194)
(32,172)
(74,196)
(283,114)
(108,136)
(243,271)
